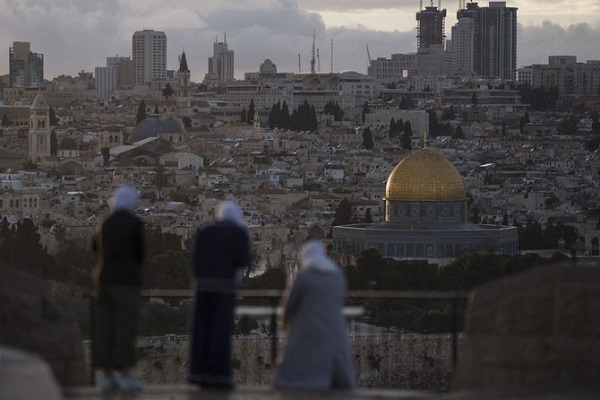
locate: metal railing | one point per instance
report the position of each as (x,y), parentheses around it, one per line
(275,295)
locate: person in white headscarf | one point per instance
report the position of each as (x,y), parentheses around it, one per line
(119,244)
(221,251)
(317,353)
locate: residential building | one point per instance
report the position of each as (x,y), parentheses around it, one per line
(220,65)
(26,69)
(492,33)
(149,55)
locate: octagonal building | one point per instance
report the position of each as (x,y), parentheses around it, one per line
(425,217)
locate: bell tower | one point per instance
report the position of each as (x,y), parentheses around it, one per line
(39,129)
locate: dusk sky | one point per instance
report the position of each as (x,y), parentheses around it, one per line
(77,35)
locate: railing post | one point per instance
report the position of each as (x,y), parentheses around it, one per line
(454,331)
(274,336)
(92,340)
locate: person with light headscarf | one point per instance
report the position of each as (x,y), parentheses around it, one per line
(119,244)
(221,251)
(316,354)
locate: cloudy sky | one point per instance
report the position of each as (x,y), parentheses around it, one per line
(77,35)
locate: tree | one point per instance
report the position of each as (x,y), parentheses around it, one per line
(167,91)
(141,112)
(251,112)
(474,99)
(365,111)
(343,213)
(367,139)
(52,115)
(187,122)
(458,133)
(5,120)
(160,179)
(105,151)
(368,217)
(53,144)
(244,116)
(406,138)
(568,125)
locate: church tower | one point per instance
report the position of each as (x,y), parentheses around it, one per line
(39,129)
(183,86)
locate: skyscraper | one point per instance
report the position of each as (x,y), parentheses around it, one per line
(149,55)
(430,27)
(26,69)
(494,39)
(221,63)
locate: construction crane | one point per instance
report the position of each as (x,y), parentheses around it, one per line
(368,54)
(312,59)
(332,55)
(318,62)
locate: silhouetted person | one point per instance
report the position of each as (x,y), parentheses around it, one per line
(119,243)
(221,251)
(316,354)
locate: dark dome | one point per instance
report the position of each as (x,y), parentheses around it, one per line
(152,125)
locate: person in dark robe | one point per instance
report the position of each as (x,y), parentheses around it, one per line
(119,244)
(317,353)
(220,252)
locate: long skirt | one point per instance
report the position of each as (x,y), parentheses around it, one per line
(117,316)
(210,354)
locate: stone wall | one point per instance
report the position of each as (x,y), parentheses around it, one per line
(537,328)
(399,361)
(29,320)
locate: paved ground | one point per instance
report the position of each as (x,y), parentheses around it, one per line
(186,392)
(24,376)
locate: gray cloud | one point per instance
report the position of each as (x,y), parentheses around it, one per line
(79,35)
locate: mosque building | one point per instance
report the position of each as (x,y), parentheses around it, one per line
(425,217)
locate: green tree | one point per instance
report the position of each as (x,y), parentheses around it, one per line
(458,133)
(343,213)
(368,217)
(105,151)
(251,112)
(160,179)
(52,115)
(169,270)
(167,91)
(365,111)
(244,116)
(367,138)
(141,112)
(53,144)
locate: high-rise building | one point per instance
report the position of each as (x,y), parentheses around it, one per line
(221,63)
(26,69)
(492,33)
(149,53)
(430,27)
(117,74)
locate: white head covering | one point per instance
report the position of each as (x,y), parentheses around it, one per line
(314,255)
(124,198)
(229,211)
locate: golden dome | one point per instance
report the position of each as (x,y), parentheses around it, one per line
(425,175)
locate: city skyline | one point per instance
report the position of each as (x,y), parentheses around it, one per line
(80,36)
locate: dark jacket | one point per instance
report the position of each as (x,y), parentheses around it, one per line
(119,242)
(219,250)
